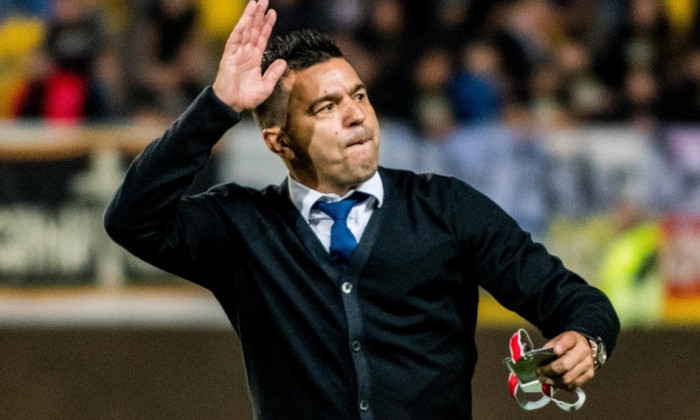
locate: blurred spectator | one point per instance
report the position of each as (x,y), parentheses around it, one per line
(331,16)
(479,87)
(639,102)
(641,42)
(63,86)
(522,32)
(385,36)
(585,96)
(680,99)
(677,176)
(682,17)
(172,60)
(362,60)
(432,113)
(20,38)
(589,21)
(37,8)
(346,15)
(546,103)
(629,272)
(451,24)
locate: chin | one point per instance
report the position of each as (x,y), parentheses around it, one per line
(366,172)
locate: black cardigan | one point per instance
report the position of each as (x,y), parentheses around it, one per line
(389,337)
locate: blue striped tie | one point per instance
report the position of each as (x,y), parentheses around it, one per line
(343,242)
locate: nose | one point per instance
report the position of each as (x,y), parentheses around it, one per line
(354,115)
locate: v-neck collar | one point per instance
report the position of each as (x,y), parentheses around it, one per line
(315,248)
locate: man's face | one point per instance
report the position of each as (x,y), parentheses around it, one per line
(331,127)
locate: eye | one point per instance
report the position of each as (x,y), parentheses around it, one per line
(360,96)
(328,107)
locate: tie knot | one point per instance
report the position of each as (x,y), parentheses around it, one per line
(339,210)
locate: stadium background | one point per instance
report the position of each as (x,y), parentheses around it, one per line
(579,117)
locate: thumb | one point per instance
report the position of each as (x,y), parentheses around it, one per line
(273,73)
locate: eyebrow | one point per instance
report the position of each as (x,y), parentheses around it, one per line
(335,96)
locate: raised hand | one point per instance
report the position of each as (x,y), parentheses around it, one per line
(239,81)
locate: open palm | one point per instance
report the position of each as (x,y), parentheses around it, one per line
(239,81)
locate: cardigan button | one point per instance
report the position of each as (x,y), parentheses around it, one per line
(356,345)
(346,287)
(364,405)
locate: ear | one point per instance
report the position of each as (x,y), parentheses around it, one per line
(278,142)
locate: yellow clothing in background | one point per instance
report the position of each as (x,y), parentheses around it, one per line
(219,17)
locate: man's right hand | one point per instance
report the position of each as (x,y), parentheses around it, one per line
(239,81)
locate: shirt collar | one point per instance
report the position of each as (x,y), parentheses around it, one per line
(304,197)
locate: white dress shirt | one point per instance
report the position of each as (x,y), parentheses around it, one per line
(304,198)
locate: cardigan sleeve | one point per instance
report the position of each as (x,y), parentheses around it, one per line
(524,277)
(149,215)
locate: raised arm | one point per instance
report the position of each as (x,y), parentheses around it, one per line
(149,214)
(239,81)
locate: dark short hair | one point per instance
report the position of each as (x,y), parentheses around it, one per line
(300,49)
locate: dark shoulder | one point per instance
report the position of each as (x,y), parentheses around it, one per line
(445,195)
(402,181)
(239,196)
(234,189)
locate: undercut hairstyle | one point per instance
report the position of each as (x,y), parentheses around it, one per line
(300,49)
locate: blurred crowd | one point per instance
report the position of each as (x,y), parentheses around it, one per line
(431,64)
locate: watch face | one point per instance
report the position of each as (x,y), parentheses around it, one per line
(602,354)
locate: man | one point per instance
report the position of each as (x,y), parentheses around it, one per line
(382,332)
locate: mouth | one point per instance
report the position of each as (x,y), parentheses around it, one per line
(359,141)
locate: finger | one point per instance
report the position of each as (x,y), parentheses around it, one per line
(547,371)
(577,376)
(569,371)
(259,15)
(263,5)
(270,19)
(557,367)
(234,40)
(258,21)
(252,11)
(237,34)
(243,23)
(570,381)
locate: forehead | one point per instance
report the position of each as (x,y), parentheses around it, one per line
(331,76)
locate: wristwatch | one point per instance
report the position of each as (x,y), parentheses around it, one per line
(600,355)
